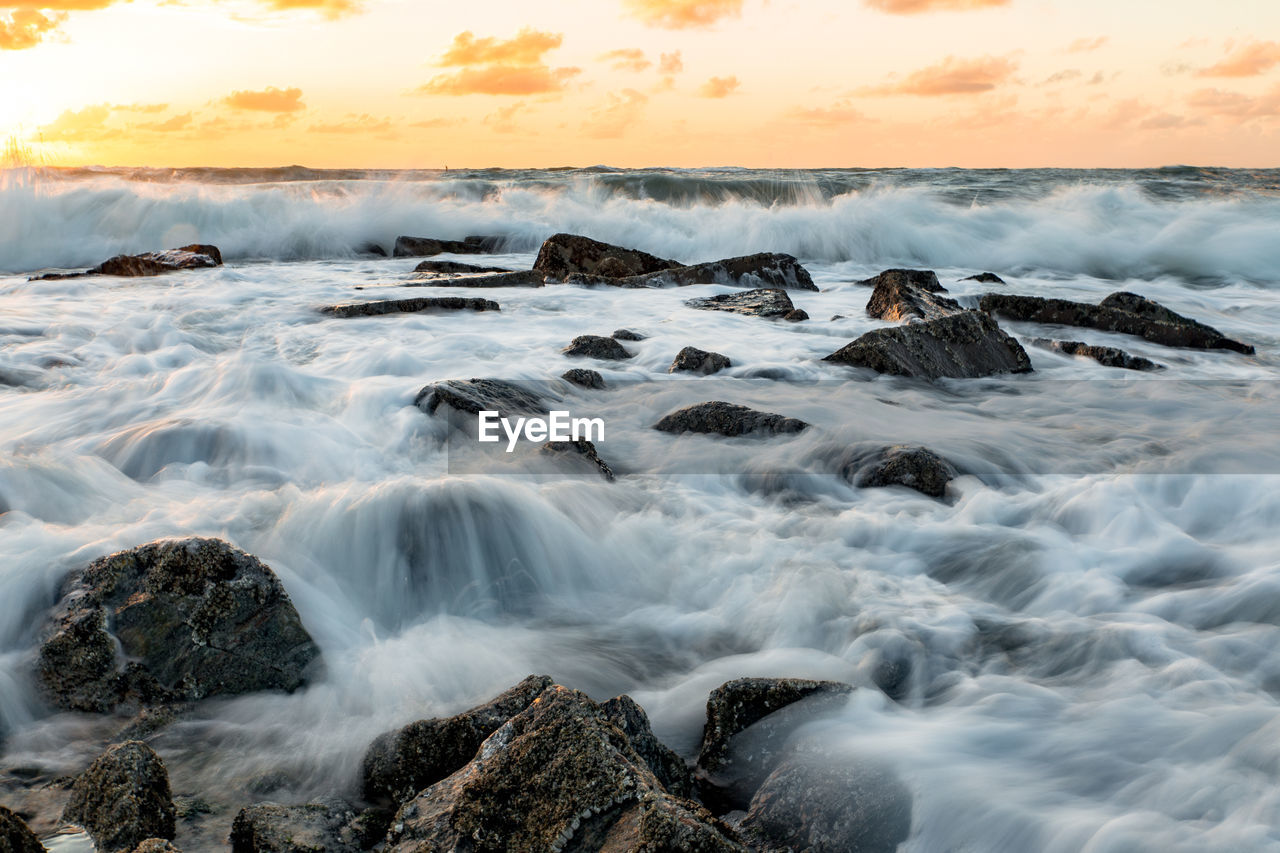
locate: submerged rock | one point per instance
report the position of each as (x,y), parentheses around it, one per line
(672,772)
(580,448)
(920,279)
(825,805)
(747,730)
(727,419)
(584,378)
(896,299)
(694,360)
(516,278)
(192,618)
(595,346)
(409,306)
(123,799)
(15,836)
(564,254)
(558,776)
(1122,312)
(456,268)
(417,247)
(399,764)
(756,303)
(325,827)
(627,335)
(1108,356)
(195,256)
(472,396)
(901,465)
(964,345)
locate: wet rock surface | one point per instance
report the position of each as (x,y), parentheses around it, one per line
(669,768)
(417,247)
(755,303)
(331,826)
(192,618)
(902,465)
(157,845)
(516,278)
(965,345)
(694,360)
(409,306)
(985,278)
(897,299)
(597,346)
(472,396)
(1106,356)
(564,254)
(627,335)
(456,268)
(580,449)
(919,279)
(727,419)
(584,378)
(764,270)
(123,798)
(15,836)
(195,256)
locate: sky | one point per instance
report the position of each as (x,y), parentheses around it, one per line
(633,83)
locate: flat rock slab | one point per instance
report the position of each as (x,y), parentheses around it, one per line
(765,302)
(518,278)
(1122,312)
(1107,356)
(456,268)
(417,247)
(771,270)
(694,360)
(564,254)
(727,419)
(597,346)
(409,306)
(964,345)
(922,279)
(195,256)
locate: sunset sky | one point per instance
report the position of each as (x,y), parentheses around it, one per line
(793,83)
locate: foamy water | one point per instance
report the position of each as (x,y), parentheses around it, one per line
(1092,620)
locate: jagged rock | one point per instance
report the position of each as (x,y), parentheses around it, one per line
(748,723)
(920,279)
(195,256)
(456,268)
(764,270)
(583,448)
(1108,356)
(417,247)
(758,303)
(914,467)
(968,344)
(15,837)
(193,618)
(123,799)
(727,419)
(584,378)
(985,278)
(399,764)
(1122,312)
(896,299)
(516,278)
(825,805)
(331,826)
(563,254)
(595,346)
(473,396)
(409,306)
(627,335)
(694,360)
(558,776)
(670,768)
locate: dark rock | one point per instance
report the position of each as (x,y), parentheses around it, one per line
(15,837)
(595,346)
(123,798)
(919,279)
(914,467)
(473,396)
(409,306)
(193,618)
(796,316)
(583,448)
(558,776)
(417,247)
(583,377)
(985,278)
(672,772)
(747,730)
(765,270)
(896,299)
(1108,356)
(758,303)
(156,845)
(727,419)
(1126,313)
(195,256)
(517,278)
(627,335)
(325,827)
(399,764)
(968,344)
(372,248)
(825,805)
(694,360)
(456,268)
(563,254)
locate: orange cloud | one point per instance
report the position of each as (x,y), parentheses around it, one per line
(169,125)
(78,125)
(329,8)
(1248,60)
(1087,45)
(952,76)
(683,14)
(25,29)
(269,100)
(363,123)
(914,7)
(626,59)
(719,87)
(835,116)
(671,63)
(501,80)
(503,121)
(1236,104)
(619,112)
(525,48)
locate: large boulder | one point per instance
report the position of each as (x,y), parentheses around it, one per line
(15,836)
(564,254)
(473,396)
(919,279)
(825,804)
(558,776)
(670,768)
(694,360)
(409,306)
(175,620)
(1122,312)
(749,721)
(597,346)
(1107,356)
(767,302)
(195,256)
(964,345)
(399,764)
(324,827)
(123,798)
(417,247)
(900,465)
(897,299)
(727,419)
